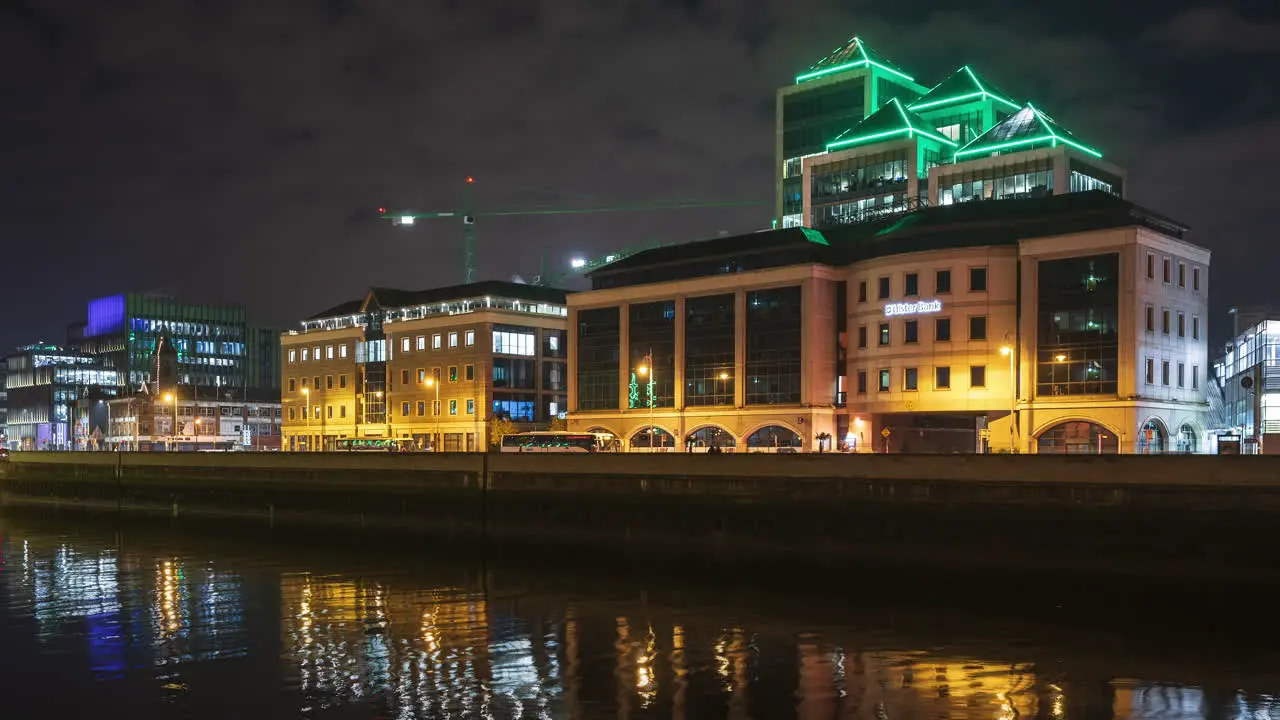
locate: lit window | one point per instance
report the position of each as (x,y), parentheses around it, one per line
(471,338)
(453,339)
(435,341)
(513,343)
(293,356)
(342,351)
(422,376)
(884,380)
(304,354)
(317,352)
(404,344)
(471,406)
(404,409)
(453,407)
(422,342)
(453,373)
(422,408)
(328,352)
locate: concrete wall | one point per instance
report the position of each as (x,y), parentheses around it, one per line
(1136,514)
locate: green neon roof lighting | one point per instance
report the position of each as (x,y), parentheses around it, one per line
(963,85)
(1026,129)
(891,120)
(852,54)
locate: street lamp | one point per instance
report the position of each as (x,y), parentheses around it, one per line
(306,413)
(173,436)
(1007,351)
(197,421)
(435,410)
(644,371)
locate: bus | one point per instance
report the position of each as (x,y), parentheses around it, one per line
(557,441)
(374,445)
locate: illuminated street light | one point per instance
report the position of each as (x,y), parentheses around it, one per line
(724,376)
(1007,351)
(642,370)
(577,263)
(1060,357)
(435,410)
(306,413)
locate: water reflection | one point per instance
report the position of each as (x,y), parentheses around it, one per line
(405,646)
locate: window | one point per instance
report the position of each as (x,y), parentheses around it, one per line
(304,354)
(293,385)
(884,288)
(342,411)
(884,380)
(404,344)
(911,331)
(862,382)
(1167,271)
(342,351)
(422,376)
(978,327)
(773,324)
(1195,327)
(328,352)
(328,382)
(862,336)
(1151,372)
(453,407)
(1151,319)
(1182,375)
(304,382)
(342,381)
(510,342)
(404,376)
(884,333)
(469,338)
(1195,279)
(316,352)
(435,374)
(978,279)
(404,409)
(910,379)
(315,382)
(1182,325)
(943,282)
(1151,266)
(293,356)
(436,341)
(292,413)
(453,373)
(435,407)
(328,411)
(599,336)
(942,378)
(942,329)
(1164,373)
(469,372)
(977,376)
(471,406)
(422,342)
(1164,321)
(422,408)
(862,291)
(1182,275)
(911,284)
(453,339)
(1195,377)
(709,350)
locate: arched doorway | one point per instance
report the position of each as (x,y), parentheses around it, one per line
(652,438)
(705,438)
(1187,439)
(1077,437)
(1153,438)
(610,443)
(772,438)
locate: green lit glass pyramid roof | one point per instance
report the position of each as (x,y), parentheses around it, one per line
(964,85)
(1024,130)
(852,54)
(887,123)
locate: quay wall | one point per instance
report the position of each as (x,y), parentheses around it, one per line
(1161,514)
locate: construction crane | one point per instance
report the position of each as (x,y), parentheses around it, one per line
(468,217)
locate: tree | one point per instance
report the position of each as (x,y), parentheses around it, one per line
(502,428)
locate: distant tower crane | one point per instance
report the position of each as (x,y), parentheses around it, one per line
(409,217)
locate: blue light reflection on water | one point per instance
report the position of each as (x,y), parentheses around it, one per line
(171,623)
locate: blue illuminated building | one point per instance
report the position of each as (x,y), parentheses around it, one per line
(43,382)
(218,348)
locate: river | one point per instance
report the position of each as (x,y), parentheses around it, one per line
(157,622)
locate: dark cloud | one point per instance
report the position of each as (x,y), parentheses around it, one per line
(235,151)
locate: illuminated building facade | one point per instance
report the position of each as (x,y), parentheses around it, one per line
(218,350)
(43,382)
(1071,323)
(1248,376)
(436,367)
(858,138)
(147,422)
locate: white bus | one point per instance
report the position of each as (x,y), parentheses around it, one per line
(374,445)
(558,441)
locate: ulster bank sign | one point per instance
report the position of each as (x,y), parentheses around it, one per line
(921,307)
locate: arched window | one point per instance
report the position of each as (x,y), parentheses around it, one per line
(1153,439)
(652,437)
(773,436)
(1186,439)
(709,437)
(1077,437)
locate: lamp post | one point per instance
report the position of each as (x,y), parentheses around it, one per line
(306,413)
(435,410)
(173,436)
(197,422)
(645,370)
(1007,351)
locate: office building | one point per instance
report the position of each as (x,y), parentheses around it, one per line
(176,422)
(859,138)
(4,408)
(1247,375)
(43,382)
(434,367)
(218,350)
(1070,323)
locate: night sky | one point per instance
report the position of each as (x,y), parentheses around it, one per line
(232,151)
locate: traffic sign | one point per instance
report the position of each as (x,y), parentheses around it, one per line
(885,433)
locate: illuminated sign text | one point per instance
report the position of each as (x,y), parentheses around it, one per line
(912,308)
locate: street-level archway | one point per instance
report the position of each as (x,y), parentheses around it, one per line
(1187,439)
(1153,438)
(772,438)
(1077,437)
(651,437)
(709,436)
